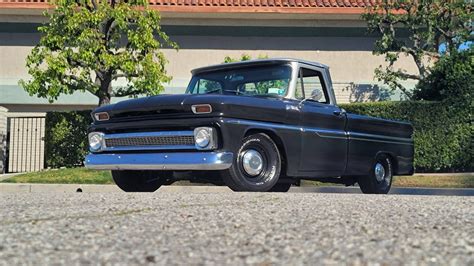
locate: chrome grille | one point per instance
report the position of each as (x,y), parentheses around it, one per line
(150,141)
(171,140)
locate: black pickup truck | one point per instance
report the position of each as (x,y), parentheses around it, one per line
(259,125)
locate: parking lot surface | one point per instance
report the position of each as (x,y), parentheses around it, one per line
(235,228)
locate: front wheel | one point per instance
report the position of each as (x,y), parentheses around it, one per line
(138,181)
(379,180)
(256,167)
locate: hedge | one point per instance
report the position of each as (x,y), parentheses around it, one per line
(443,134)
(66,138)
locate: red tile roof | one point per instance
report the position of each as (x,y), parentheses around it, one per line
(265,3)
(230,6)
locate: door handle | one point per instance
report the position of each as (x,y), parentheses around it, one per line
(339,112)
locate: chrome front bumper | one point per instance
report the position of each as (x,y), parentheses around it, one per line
(160,161)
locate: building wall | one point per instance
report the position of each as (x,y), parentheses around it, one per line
(348,52)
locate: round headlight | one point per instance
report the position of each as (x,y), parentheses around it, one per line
(202,137)
(95,141)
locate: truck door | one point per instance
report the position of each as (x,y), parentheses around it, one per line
(324,142)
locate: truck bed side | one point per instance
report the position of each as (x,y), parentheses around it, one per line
(369,136)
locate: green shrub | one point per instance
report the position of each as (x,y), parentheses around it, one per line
(452,78)
(442,133)
(66,138)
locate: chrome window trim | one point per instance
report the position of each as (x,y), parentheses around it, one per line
(326,79)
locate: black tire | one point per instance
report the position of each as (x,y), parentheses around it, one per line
(236,177)
(138,181)
(280,187)
(370,184)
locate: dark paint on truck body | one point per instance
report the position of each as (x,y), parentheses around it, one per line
(317,140)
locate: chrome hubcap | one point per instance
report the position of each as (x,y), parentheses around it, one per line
(252,162)
(379,172)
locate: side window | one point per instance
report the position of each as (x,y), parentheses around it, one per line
(206,86)
(310,83)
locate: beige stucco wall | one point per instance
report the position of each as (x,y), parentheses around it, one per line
(349,58)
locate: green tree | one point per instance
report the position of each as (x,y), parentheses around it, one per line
(417,29)
(88,44)
(452,78)
(243,57)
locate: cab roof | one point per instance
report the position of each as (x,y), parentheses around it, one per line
(256,62)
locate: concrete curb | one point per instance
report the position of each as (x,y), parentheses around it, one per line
(393,191)
(444,174)
(68,188)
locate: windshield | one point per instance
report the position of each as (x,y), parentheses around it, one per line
(252,81)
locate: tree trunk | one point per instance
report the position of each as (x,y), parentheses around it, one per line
(104,100)
(105,92)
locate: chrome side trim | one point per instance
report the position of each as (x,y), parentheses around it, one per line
(263,124)
(324,133)
(379,138)
(160,161)
(327,133)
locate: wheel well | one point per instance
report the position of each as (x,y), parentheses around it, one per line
(393,160)
(278,142)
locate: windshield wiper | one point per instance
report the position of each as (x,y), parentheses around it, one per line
(268,95)
(236,92)
(216,90)
(231,91)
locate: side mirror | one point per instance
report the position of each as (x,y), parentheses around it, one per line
(316,95)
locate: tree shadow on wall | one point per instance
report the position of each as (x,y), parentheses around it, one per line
(367,92)
(3,153)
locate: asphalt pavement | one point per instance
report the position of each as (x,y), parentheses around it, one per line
(186,228)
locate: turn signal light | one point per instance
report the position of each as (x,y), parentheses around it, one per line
(103,116)
(202,108)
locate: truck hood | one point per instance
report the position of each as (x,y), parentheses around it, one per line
(179,106)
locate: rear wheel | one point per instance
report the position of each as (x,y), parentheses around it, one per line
(138,181)
(256,167)
(379,180)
